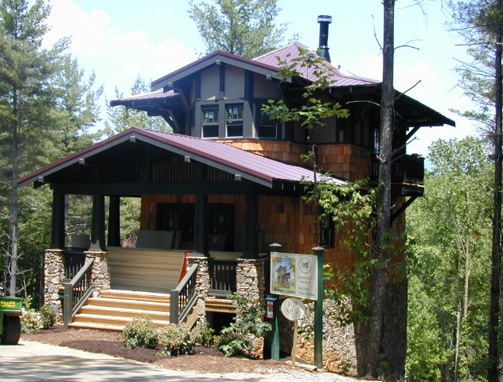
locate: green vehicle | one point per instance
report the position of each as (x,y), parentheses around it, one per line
(10,323)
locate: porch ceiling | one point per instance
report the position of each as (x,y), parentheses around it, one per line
(233,163)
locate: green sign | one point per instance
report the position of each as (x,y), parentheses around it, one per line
(294,275)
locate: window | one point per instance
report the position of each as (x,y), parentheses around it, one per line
(234,120)
(210,121)
(267,127)
(327,232)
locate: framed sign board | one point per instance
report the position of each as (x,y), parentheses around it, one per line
(294,275)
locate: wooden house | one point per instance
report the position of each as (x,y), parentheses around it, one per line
(217,191)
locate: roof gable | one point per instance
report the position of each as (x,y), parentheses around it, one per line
(215,58)
(240,163)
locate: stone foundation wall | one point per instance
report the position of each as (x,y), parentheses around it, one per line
(203,284)
(54,276)
(101,274)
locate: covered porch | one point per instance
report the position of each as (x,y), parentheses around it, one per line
(204,206)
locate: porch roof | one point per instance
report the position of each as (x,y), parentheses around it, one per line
(243,164)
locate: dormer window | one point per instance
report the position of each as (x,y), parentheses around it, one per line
(210,121)
(234,120)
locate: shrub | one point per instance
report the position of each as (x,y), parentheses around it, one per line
(47,316)
(141,332)
(176,340)
(30,321)
(248,324)
(203,335)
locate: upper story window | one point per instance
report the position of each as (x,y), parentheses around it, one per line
(210,121)
(267,127)
(234,120)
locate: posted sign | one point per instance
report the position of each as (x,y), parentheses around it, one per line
(294,275)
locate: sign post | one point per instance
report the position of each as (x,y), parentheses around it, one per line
(318,312)
(293,309)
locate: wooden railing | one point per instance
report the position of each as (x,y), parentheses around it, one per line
(183,297)
(222,277)
(406,169)
(77,291)
(74,261)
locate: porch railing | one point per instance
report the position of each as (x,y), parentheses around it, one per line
(222,277)
(77,291)
(183,297)
(73,261)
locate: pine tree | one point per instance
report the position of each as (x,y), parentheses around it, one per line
(241,27)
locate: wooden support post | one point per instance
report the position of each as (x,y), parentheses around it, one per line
(98,224)
(58,221)
(201,226)
(251,237)
(114,234)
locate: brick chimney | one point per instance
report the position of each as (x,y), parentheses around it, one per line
(323,48)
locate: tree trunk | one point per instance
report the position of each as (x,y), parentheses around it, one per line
(495,314)
(14,212)
(378,291)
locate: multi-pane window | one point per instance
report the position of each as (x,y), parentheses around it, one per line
(210,121)
(234,120)
(267,127)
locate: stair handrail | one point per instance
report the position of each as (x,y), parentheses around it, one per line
(77,291)
(184,296)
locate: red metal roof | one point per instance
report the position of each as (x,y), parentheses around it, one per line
(290,52)
(249,166)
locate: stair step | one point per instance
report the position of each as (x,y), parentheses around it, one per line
(92,309)
(96,326)
(110,320)
(219,305)
(129,304)
(135,295)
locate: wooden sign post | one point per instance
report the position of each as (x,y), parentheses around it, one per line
(293,309)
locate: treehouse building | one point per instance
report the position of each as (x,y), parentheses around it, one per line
(217,191)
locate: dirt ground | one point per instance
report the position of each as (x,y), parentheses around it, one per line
(205,360)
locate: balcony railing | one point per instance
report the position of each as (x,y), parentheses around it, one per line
(222,277)
(406,169)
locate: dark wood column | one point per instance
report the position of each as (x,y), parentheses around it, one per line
(114,226)
(58,221)
(98,224)
(251,236)
(201,225)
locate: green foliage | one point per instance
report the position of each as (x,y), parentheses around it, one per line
(244,28)
(120,118)
(449,232)
(47,316)
(176,340)
(30,321)
(249,323)
(203,334)
(141,332)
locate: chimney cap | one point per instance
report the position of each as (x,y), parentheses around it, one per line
(324,19)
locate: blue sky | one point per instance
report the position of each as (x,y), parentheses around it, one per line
(121,39)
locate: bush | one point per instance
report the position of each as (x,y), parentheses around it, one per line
(141,332)
(30,321)
(231,343)
(176,340)
(203,335)
(47,316)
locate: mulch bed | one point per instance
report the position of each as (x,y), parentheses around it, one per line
(205,360)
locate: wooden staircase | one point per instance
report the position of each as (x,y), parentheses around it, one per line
(219,305)
(114,309)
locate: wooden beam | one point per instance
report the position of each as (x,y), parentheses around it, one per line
(402,208)
(201,226)
(251,236)
(58,221)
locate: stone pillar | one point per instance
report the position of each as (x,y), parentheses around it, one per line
(203,283)
(250,283)
(101,275)
(54,276)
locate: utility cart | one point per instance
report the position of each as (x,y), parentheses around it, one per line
(10,323)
